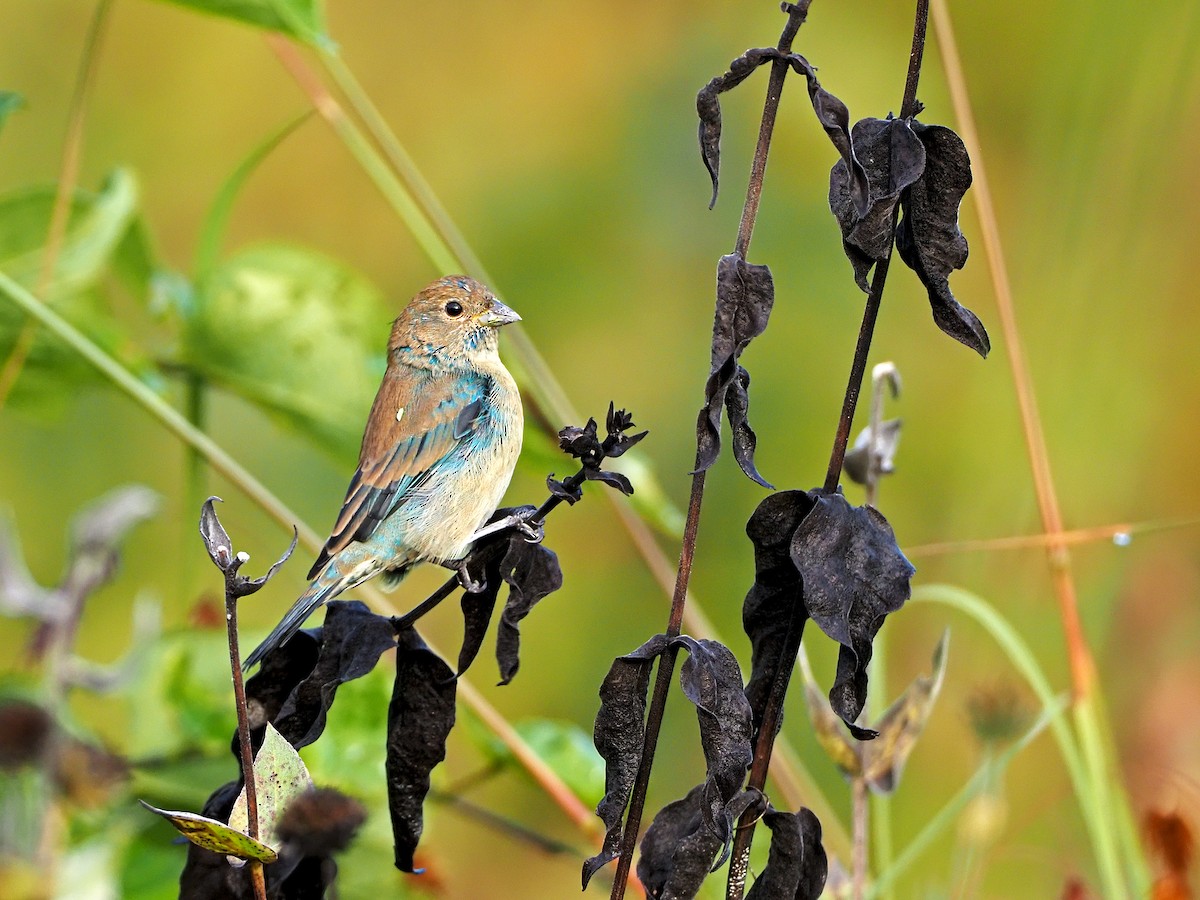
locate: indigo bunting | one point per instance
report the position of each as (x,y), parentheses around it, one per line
(437,455)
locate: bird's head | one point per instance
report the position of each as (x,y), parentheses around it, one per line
(455,316)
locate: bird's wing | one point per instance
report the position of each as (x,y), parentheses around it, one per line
(413,426)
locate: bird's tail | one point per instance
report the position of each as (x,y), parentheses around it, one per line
(323,588)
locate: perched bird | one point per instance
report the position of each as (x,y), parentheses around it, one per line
(440,447)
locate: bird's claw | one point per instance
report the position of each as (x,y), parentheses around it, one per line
(534,532)
(469,584)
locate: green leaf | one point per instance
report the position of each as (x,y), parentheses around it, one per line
(279,777)
(295,333)
(302,19)
(215,836)
(10,101)
(97,225)
(217,219)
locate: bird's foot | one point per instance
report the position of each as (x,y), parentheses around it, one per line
(469,584)
(534,532)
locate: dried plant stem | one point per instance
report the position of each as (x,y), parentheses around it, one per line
(666,662)
(68,177)
(860,805)
(245,751)
(858,367)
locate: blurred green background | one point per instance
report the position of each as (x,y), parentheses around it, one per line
(561,138)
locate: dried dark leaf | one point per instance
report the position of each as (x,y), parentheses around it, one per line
(617,423)
(532,572)
(560,490)
(618,735)
(797,865)
(901,725)
(928,238)
(708,107)
(281,670)
(774,605)
(420,717)
(892,157)
(216,538)
(745,295)
(678,849)
(320,822)
(711,679)
(612,479)
(582,443)
(477,613)
(835,119)
(854,575)
(737,406)
(351,641)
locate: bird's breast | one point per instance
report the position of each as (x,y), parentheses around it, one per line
(461,496)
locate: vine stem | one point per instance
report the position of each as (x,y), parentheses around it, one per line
(797,13)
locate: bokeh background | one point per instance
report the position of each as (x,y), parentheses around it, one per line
(561,138)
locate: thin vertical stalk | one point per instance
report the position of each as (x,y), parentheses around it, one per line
(1109,801)
(245,751)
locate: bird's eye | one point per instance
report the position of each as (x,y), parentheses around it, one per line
(454,309)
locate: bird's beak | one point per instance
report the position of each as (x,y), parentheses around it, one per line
(498,314)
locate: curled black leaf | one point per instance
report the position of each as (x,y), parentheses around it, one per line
(816,556)
(928,238)
(532,572)
(420,717)
(797,865)
(745,296)
(678,849)
(570,493)
(892,157)
(774,613)
(320,822)
(619,734)
(349,644)
(708,107)
(477,610)
(216,539)
(854,575)
(835,119)
(737,407)
(711,679)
